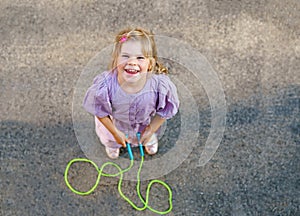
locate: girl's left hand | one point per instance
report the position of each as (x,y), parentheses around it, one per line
(146,134)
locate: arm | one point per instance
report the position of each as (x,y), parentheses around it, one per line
(155,124)
(118,135)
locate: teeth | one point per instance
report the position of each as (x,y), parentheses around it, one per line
(131,70)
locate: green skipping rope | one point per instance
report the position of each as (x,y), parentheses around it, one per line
(101,173)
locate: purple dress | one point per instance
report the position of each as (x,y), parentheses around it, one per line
(130,112)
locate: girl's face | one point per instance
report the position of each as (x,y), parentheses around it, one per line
(132,64)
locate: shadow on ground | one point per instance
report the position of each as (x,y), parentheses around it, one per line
(254,172)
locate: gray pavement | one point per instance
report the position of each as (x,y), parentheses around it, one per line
(253,46)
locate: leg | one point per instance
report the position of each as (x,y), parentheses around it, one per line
(151,147)
(111,147)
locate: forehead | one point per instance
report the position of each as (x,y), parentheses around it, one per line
(132,47)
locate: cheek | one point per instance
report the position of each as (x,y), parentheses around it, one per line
(121,63)
(146,64)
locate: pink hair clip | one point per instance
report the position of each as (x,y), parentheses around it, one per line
(123,38)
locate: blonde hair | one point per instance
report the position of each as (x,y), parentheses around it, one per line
(148,48)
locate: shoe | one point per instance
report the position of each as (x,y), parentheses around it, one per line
(112,153)
(152,146)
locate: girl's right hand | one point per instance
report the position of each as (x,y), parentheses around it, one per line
(118,135)
(121,138)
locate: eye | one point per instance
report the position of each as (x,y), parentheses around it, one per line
(141,57)
(124,56)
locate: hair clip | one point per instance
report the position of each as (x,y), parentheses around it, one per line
(123,38)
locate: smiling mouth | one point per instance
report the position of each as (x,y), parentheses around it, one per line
(131,71)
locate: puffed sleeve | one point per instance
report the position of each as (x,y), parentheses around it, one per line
(167,98)
(97,99)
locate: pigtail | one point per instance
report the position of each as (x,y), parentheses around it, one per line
(160,68)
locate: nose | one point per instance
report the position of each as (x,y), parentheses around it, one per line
(132,61)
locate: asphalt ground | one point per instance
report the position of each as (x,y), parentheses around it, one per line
(254,48)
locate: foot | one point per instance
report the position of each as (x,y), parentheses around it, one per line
(152,146)
(112,153)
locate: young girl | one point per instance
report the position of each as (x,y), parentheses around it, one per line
(135,95)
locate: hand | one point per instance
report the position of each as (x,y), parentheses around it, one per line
(146,134)
(120,138)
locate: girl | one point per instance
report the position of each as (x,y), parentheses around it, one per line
(135,95)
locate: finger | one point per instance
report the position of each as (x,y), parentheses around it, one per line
(144,140)
(124,144)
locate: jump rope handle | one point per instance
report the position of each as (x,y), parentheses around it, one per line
(129,150)
(138,135)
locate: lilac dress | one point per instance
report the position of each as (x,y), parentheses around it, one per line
(130,113)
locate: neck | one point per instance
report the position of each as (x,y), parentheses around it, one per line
(132,87)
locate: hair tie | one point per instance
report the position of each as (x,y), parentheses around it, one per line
(123,38)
